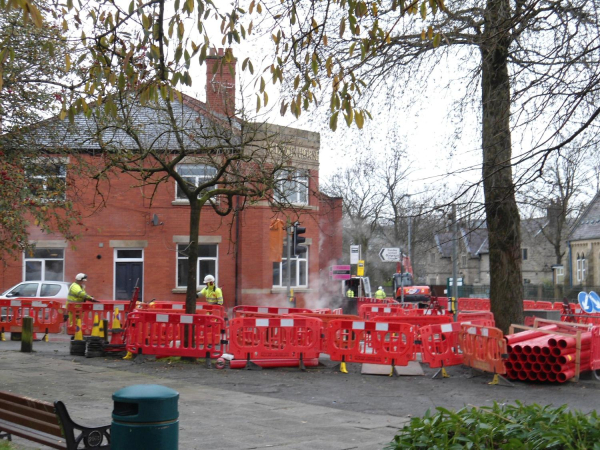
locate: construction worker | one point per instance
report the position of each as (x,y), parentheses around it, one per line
(77,293)
(350,293)
(211,292)
(380,293)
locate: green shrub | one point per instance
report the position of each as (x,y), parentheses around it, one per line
(501,427)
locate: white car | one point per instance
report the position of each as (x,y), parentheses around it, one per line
(45,289)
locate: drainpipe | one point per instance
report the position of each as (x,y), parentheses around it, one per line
(237,251)
(570,265)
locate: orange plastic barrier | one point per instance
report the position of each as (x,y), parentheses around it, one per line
(368,311)
(190,335)
(371,342)
(558,306)
(484,348)
(529,304)
(47,315)
(217,310)
(426,312)
(442,301)
(485,318)
(595,349)
(88,310)
(418,321)
(440,346)
(368,300)
(276,342)
(473,304)
(337,311)
(268,310)
(543,305)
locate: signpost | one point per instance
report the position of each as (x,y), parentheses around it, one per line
(340,272)
(390,254)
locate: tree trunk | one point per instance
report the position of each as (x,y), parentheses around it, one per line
(192,279)
(503,221)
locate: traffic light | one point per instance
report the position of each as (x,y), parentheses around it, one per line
(297,240)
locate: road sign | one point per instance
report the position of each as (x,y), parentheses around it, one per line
(340,272)
(360,268)
(354,254)
(390,254)
(458,283)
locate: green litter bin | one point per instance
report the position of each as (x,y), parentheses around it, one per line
(145,417)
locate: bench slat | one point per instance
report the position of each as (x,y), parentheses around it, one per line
(26,401)
(28,411)
(33,435)
(44,426)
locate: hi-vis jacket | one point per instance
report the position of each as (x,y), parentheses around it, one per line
(77,294)
(213,295)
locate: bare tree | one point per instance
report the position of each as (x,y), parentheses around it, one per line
(561,193)
(529,63)
(362,200)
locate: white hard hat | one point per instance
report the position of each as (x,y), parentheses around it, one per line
(209,278)
(380,287)
(81,277)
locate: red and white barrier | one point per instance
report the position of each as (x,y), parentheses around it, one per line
(371,342)
(189,335)
(275,342)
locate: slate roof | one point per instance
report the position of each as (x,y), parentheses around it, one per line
(476,241)
(444,244)
(150,123)
(588,225)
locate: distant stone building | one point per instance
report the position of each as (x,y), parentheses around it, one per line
(537,255)
(582,266)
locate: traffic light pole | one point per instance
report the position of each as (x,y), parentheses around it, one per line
(289,261)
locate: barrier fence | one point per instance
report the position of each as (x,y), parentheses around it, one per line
(189,335)
(388,334)
(87,311)
(369,312)
(371,342)
(209,308)
(440,345)
(269,310)
(275,342)
(484,348)
(47,315)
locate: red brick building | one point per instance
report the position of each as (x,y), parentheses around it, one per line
(132,239)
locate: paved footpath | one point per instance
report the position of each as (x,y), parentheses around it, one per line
(210,418)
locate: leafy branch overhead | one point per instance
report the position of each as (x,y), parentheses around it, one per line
(109,57)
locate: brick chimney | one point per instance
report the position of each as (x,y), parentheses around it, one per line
(220,81)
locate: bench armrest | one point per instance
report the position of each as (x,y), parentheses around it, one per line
(75,434)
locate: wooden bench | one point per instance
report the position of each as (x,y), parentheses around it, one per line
(48,424)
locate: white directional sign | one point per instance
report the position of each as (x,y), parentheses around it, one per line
(390,254)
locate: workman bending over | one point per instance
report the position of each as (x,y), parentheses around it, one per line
(350,293)
(211,292)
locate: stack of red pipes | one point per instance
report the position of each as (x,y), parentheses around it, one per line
(541,356)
